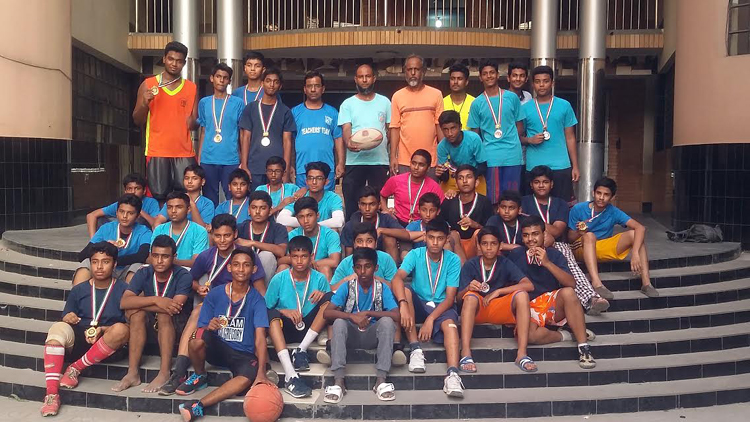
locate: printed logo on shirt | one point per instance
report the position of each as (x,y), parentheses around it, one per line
(329,120)
(317,129)
(235,331)
(381,117)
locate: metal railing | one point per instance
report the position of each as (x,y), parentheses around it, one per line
(263,16)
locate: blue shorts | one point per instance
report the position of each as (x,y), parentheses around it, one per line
(422,311)
(500,179)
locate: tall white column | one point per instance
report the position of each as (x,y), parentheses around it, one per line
(229,34)
(544,33)
(185,30)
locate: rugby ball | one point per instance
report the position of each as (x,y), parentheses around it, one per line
(367,138)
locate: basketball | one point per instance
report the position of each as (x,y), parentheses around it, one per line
(367,138)
(263,403)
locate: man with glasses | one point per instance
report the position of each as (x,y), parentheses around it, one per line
(330,207)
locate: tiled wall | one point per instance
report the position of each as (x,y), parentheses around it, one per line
(712,186)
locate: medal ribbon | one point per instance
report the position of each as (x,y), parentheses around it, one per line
(433,286)
(258,93)
(242,305)
(182,235)
(281,198)
(486,278)
(539,208)
(539,112)
(130,236)
(270,118)
(413,205)
(356,296)
(161,84)
(507,234)
(216,270)
(301,304)
(377,220)
(315,247)
(231,207)
(262,236)
(166,285)
(98,314)
(593,217)
(471,210)
(497,118)
(217,123)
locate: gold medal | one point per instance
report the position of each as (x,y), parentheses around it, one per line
(91,332)
(217,138)
(582,226)
(119,243)
(464,228)
(155,90)
(223,321)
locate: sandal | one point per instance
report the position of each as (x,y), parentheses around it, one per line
(464,365)
(333,394)
(527,361)
(385,391)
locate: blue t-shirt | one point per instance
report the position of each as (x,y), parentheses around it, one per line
(507,233)
(375,114)
(239,334)
(505,151)
(240,212)
(248,96)
(365,299)
(206,208)
(286,190)
(558,211)
(313,140)
(139,236)
(79,302)
(329,241)
(193,242)
(386,268)
(150,206)
(281,295)
(469,151)
(329,203)
(554,152)
(506,273)
(414,265)
(224,152)
(207,261)
(416,226)
(143,282)
(542,279)
(603,224)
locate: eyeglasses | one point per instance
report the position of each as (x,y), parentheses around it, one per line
(315,178)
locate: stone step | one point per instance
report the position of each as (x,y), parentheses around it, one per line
(16,262)
(678,297)
(477,403)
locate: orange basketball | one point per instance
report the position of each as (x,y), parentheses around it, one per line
(263,403)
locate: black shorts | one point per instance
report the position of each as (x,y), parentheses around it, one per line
(291,333)
(218,353)
(422,311)
(165,175)
(81,346)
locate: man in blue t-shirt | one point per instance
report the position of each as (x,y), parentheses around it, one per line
(365,236)
(554,212)
(330,207)
(364,315)
(132,240)
(296,299)
(191,238)
(92,329)
(237,203)
(459,147)
(318,134)
(132,183)
(193,179)
(549,134)
(154,296)
(231,334)
(592,225)
(218,140)
(430,300)
(254,66)
(553,300)
(282,194)
(364,110)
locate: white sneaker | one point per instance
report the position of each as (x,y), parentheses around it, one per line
(416,361)
(452,386)
(322,338)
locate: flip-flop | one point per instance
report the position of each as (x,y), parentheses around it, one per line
(333,394)
(526,360)
(385,391)
(467,360)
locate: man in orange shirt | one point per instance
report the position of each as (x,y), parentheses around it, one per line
(168,107)
(414,118)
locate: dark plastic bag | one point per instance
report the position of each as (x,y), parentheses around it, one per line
(697,233)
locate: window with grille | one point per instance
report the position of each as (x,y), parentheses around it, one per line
(738,27)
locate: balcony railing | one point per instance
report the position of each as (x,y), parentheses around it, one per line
(263,16)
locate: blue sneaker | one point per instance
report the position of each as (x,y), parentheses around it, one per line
(191,411)
(195,383)
(297,388)
(301,360)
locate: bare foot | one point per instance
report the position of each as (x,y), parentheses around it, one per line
(156,384)
(127,382)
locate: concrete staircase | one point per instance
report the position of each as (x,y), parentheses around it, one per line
(688,348)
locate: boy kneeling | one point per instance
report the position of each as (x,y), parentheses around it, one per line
(365,316)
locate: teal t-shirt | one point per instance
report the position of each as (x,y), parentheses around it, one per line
(329,241)
(469,151)
(386,268)
(505,151)
(554,152)
(281,295)
(375,114)
(193,242)
(329,203)
(240,212)
(414,265)
(287,190)
(206,208)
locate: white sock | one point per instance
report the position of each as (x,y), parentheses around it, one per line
(310,337)
(565,335)
(286,363)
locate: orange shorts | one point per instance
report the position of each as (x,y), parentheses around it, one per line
(499,311)
(543,309)
(470,245)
